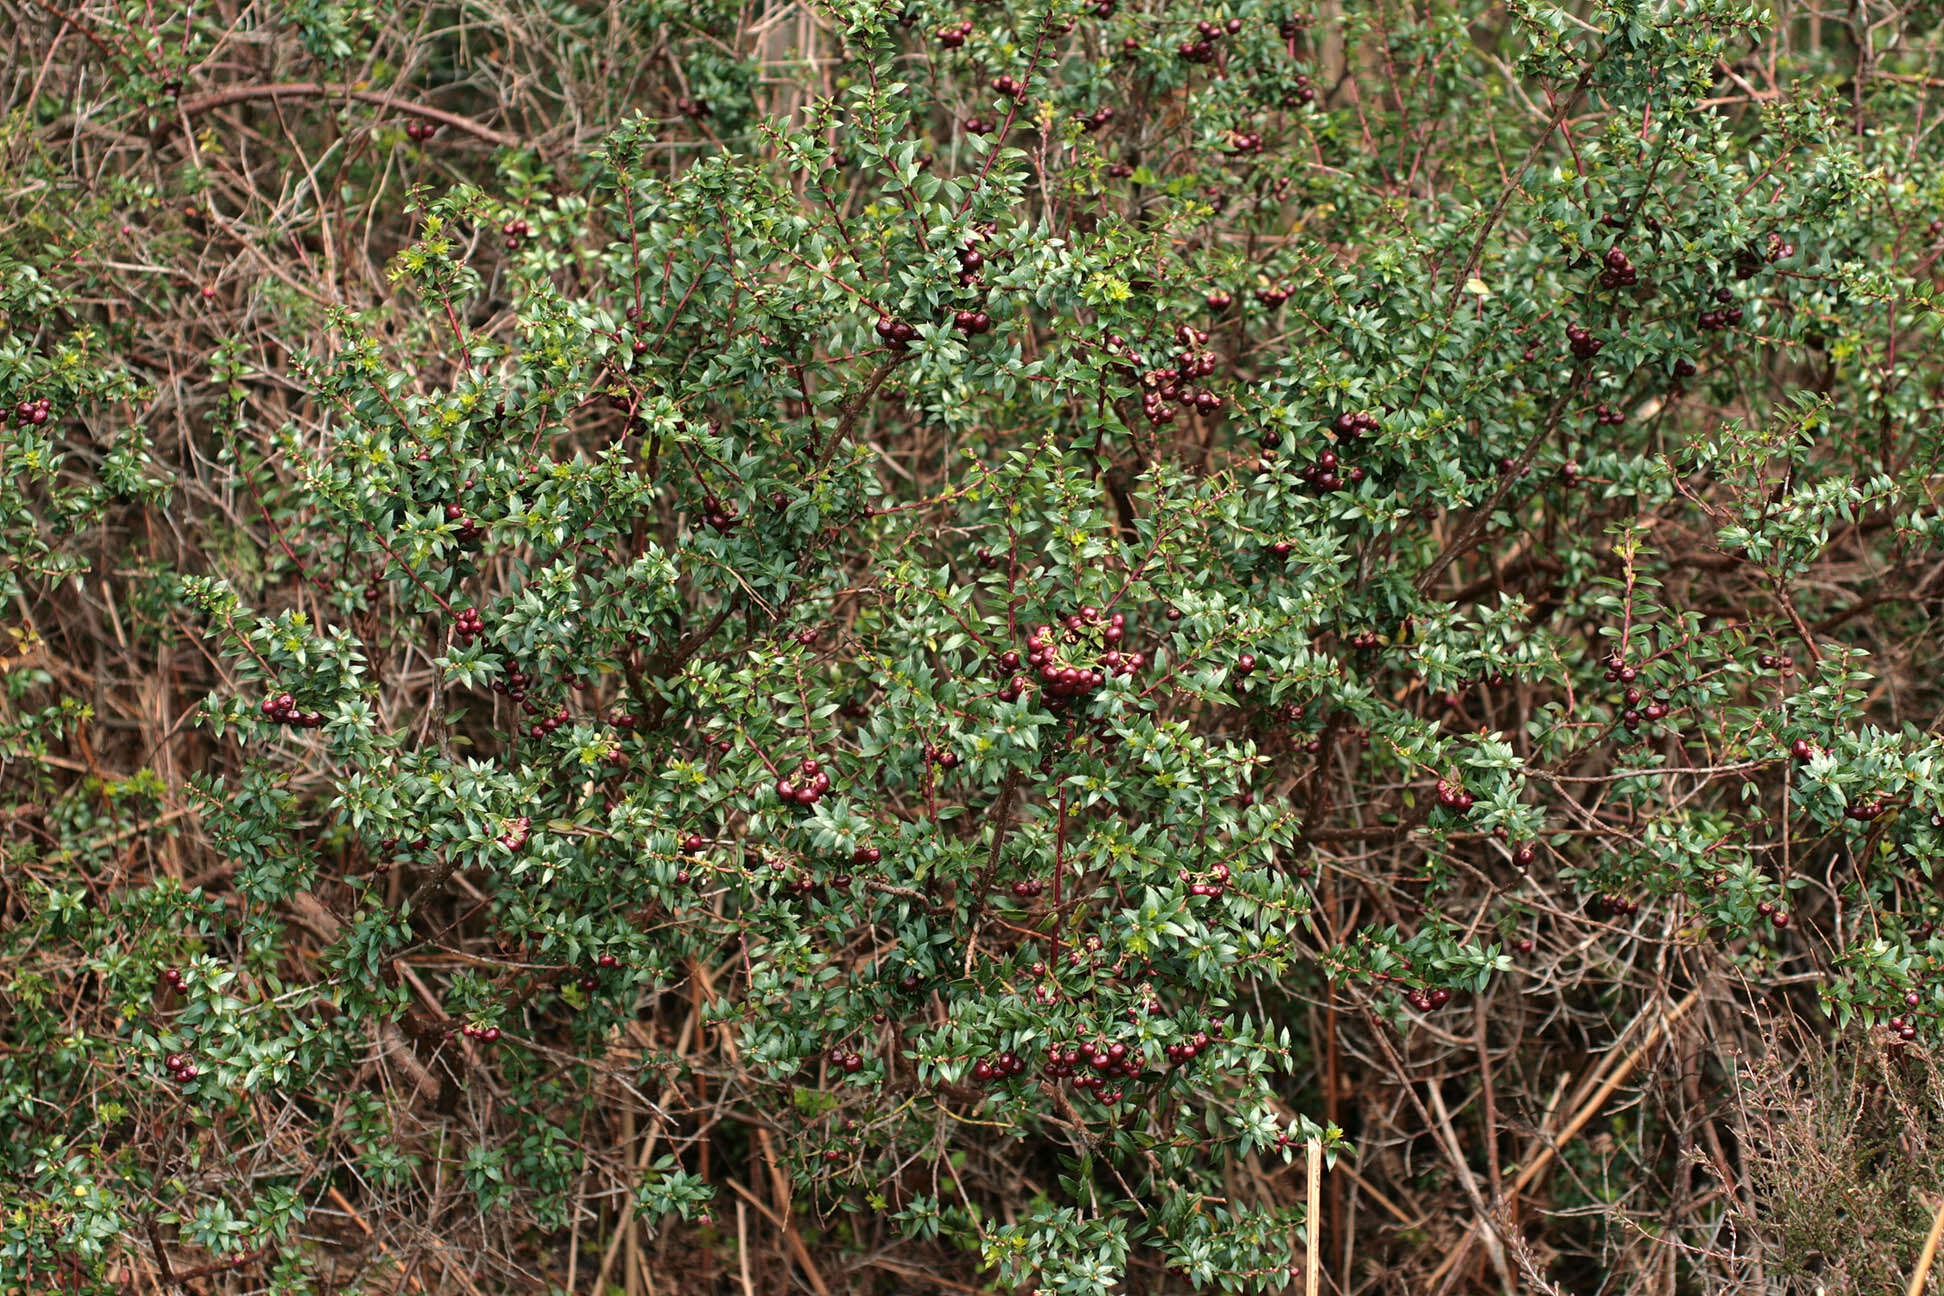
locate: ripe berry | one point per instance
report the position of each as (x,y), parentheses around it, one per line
(896,334)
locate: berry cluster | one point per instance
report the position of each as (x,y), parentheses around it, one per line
(1000,1066)
(1077,657)
(1452,796)
(971,261)
(1635,713)
(1782,662)
(514,685)
(1016,686)
(1241,141)
(1778,917)
(1217,887)
(33,413)
(1329,473)
(1009,85)
(1355,423)
(1749,261)
(1095,120)
(1710,321)
(1583,344)
(514,231)
(1426,1000)
(693,109)
(1868,809)
(546,725)
(1619,272)
(388,846)
(1272,295)
(718,515)
(814,783)
(469,532)
(1192,1047)
(1607,416)
(1304,93)
(896,333)
(282,709)
(847,1060)
(943,757)
(180,1068)
(972,322)
(1115,1061)
(1614,906)
(615,758)
(953,35)
(1200,48)
(606,963)
(467,626)
(1027,888)
(421,130)
(1359,737)
(487,1033)
(516,833)
(1632,716)
(1172,383)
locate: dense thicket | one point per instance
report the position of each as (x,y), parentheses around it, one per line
(690,647)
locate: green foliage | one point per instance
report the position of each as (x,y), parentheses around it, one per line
(999,623)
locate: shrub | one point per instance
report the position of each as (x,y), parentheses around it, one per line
(970,651)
